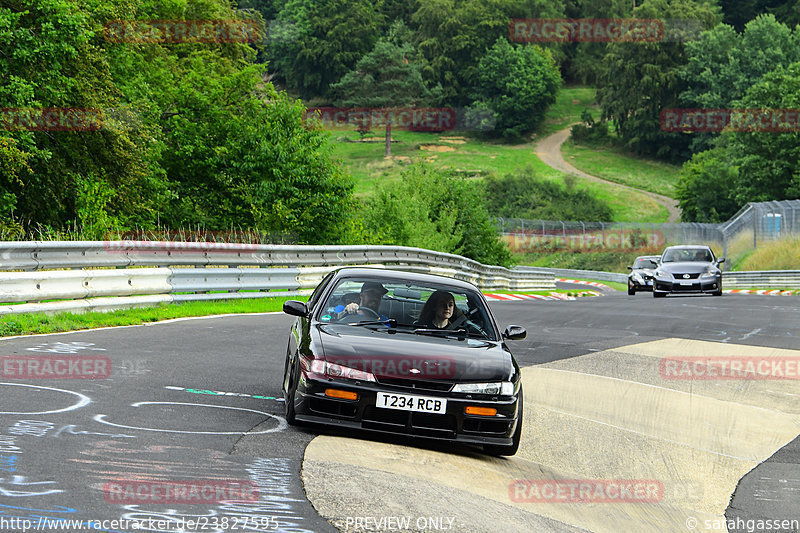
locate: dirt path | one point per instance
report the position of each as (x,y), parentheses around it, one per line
(549,151)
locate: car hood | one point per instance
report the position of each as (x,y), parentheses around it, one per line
(410,356)
(687,267)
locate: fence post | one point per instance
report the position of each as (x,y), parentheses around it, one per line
(583,241)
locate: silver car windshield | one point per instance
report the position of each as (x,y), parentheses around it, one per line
(687,255)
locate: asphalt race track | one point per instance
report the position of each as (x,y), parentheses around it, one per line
(616,439)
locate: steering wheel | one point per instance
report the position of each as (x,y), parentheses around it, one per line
(368,311)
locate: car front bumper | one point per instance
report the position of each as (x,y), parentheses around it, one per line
(314,406)
(691,285)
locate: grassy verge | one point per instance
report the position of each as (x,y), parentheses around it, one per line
(465,152)
(602,261)
(570,103)
(613,284)
(39,323)
(618,165)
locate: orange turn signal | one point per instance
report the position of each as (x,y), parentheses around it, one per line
(343,394)
(483,411)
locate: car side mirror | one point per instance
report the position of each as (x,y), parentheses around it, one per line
(514,333)
(295,308)
(630,268)
(721,260)
(654,263)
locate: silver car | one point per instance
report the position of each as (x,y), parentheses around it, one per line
(690,268)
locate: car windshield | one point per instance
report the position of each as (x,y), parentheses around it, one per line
(643,262)
(687,254)
(411,307)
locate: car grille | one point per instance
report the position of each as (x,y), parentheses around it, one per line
(411,423)
(417,384)
(475,425)
(691,276)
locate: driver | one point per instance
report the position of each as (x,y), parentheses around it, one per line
(371,294)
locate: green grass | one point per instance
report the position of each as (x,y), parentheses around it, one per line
(570,103)
(468,152)
(40,323)
(476,157)
(613,284)
(616,164)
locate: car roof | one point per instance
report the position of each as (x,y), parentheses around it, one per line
(402,276)
(690,246)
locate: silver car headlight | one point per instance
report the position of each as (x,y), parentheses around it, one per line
(708,274)
(663,274)
(505,388)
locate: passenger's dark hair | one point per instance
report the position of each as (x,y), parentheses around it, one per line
(429,309)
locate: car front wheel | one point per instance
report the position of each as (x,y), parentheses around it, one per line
(289,393)
(631,290)
(511,449)
(659,294)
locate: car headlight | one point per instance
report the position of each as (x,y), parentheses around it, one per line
(339,371)
(663,274)
(708,274)
(505,388)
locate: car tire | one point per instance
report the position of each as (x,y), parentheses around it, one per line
(510,449)
(631,290)
(659,294)
(717,293)
(288,395)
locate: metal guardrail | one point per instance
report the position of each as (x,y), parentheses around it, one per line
(116,274)
(580,274)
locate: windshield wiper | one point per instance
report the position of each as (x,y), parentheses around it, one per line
(460,333)
(391,322)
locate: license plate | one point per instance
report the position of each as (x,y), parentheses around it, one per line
(686,282)
(407,402)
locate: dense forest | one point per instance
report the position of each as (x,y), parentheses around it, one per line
(210,133)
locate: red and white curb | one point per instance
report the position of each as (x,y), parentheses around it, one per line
(770,292)
(581,282)
(496,297)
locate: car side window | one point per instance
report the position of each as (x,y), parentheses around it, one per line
(319,290)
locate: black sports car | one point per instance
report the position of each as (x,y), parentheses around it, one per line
(641,276)
(405,353)
(688,269)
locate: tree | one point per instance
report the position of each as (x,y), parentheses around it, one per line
(705,188)
(453,35)
(321,40)
(59,61)
(518,83)
(641,79)
(388,78)
(434,209)
(748,166)
(523,195)
(769,161)
(723,64)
